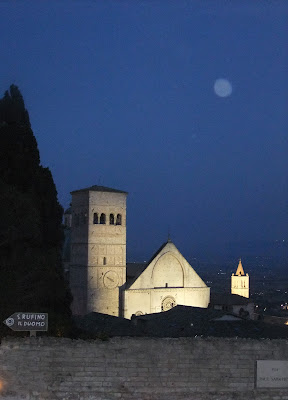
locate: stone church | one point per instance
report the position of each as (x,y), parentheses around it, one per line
(100,279)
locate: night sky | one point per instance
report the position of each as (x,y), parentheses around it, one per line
(123,94)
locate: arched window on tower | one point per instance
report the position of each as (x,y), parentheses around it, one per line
(95,218)
(119,219)
(111,219)
(104,261)
(103,219)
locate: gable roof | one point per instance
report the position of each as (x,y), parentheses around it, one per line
(168,249)
(185,321)
(159,250)
(96,188)
(133,270)
(180,321)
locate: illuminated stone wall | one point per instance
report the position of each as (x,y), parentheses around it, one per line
(147,301)
(136,368)
(98,251)
(240,282)
(167,281)
(98,263)
(240,285)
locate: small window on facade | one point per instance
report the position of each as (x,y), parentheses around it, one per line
(95,218)
(103,219)
(104,261)
(119,219)
(111,219)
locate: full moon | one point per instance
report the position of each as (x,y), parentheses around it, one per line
(222,87)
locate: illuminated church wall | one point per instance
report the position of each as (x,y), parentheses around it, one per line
(167,281)
(98,249)
(98,263)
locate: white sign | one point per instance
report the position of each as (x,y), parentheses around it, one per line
(26,321)
(272,374)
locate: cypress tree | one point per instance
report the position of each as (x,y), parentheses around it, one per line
(31,232)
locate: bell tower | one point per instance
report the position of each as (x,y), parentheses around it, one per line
(240,282)
(98,249)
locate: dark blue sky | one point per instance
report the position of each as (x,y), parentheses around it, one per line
(120,93)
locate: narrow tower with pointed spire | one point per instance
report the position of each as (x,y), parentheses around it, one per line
(240,282)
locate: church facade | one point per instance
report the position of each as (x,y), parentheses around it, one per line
(167,280)
(98,270)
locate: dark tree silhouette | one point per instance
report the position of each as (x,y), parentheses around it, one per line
(31,232)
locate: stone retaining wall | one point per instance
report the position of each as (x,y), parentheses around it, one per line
(136,368)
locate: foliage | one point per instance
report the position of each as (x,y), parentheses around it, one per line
(31,233)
